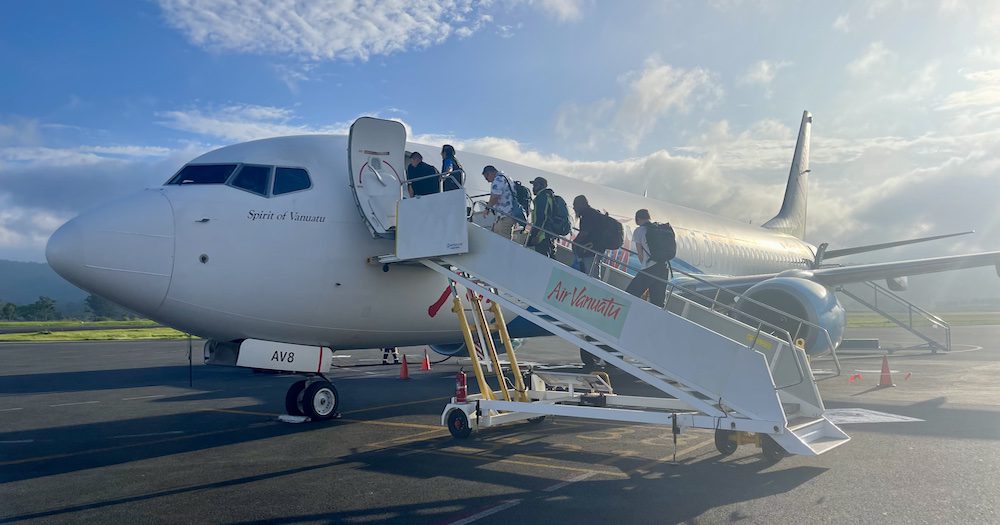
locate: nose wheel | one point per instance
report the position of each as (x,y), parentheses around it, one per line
(318,400)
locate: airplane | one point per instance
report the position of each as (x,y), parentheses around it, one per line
(260,249)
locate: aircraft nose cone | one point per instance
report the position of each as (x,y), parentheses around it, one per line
(122,251)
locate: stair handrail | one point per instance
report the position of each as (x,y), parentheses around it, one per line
(774,330)
(934,319)
(407,182)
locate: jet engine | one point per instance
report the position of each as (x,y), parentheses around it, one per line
(799,298)
(450,349)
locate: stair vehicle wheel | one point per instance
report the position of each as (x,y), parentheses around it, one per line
(458,424)
(725,442)
(771,449)
(293,398)
(320,400)
(536,420)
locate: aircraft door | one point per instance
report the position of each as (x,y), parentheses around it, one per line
(376,152)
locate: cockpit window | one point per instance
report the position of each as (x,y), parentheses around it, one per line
(287,180)
(203,174)
(252,178)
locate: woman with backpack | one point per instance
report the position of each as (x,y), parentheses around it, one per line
(450,164)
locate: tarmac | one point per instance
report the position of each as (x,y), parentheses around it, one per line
(111,432)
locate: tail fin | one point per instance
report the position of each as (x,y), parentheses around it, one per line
(792,217)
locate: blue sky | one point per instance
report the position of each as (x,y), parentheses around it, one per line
(696,102)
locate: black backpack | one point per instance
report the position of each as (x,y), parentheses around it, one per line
(608,235)
(523,197)
(558,221)
(661,241)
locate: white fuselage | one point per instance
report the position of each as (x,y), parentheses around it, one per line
(227,264)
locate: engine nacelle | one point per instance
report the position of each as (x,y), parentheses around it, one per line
(803,299)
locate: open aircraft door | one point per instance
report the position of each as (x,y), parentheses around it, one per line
(376,153)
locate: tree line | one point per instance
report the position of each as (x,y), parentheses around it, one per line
(44,309)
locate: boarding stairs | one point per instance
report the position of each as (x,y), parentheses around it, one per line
(730,375)
(902,313)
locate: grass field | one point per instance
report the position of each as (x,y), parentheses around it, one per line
(138,323)
(146,330)
(125,334)
(873,320)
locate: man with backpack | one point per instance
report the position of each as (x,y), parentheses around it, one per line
(549,217)
(502,202)
(598,231)
(656,245)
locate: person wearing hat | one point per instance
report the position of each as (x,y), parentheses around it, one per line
(417,169)
(540,213)
(501,201)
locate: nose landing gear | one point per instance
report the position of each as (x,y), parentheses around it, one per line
(317,399)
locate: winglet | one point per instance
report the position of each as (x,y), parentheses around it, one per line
(792,217)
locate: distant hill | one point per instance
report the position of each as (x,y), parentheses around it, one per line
(24,282)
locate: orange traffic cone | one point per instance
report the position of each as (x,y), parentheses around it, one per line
(886,380)
(404,369)
(425,366)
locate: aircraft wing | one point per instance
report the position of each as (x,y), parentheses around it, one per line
(876,271)
(858,273)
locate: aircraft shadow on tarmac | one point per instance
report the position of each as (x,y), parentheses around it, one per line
(175,375)
(680,492)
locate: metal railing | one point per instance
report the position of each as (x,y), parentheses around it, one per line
(407,183)
(680,292)
(911,309)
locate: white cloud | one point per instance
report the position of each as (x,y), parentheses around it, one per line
(843,23)
(651,93)
(986,92)
(562,10)
(323,29)
(916,87)
(75,156)
(762,72)
(243,122)
(875,57)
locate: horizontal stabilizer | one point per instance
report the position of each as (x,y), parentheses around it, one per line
(830,254)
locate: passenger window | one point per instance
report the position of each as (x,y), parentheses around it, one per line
(253,179)
(287,180)
(203,174)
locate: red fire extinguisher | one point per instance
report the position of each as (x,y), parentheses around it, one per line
(461,389)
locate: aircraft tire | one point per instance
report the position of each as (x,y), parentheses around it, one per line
(458,424)
(293,398)
(320,401)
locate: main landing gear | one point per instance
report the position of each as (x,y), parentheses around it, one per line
(315,397)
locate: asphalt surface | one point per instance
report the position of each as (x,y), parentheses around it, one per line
(112,433)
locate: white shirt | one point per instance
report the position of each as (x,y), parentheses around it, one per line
(639,240)
(502,189)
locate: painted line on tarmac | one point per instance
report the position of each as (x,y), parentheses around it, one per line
(243,412)
(405,440)
(151,434)
(74,404)
(568,482)
(118,447)
(10,409)
(143,397)
(393,424)
(394,405)
(670,458)
(541,464)
(16,441)
(488,512)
